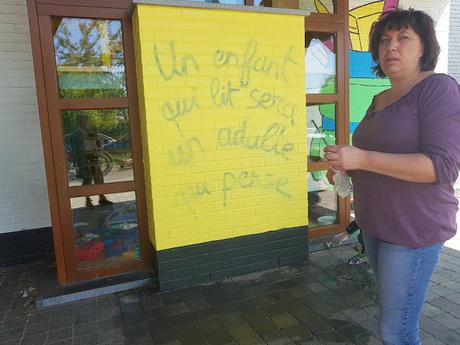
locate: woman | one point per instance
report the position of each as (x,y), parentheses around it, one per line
(403,163)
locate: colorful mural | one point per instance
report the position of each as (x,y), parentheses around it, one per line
(363,82)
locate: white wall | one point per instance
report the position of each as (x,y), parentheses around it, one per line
(442,33)
(454,40)
(23,191)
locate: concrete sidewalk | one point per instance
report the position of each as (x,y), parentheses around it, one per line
(322,302)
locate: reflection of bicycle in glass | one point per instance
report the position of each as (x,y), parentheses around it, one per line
(105,158)
(79,160)
(105,162)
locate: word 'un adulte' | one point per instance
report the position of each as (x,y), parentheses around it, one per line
(171,65)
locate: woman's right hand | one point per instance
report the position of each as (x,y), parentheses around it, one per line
(345,157)
(330,176)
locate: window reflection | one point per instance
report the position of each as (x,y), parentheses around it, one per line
(322,200)
(320,63)
(97,146)
(225,2)
(317,6)
(321,129)
(89,58)
(105,233)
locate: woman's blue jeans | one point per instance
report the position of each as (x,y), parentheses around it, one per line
(402,275)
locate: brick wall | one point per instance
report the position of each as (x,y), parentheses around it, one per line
(454,40)
(223,118)
(23,192)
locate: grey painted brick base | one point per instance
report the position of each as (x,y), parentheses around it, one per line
(26,246)
(214,261)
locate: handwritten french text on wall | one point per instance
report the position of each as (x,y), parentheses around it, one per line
(223,120)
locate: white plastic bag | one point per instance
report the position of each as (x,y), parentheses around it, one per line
(342,184)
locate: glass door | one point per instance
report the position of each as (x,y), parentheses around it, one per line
(94,135)
(327,112)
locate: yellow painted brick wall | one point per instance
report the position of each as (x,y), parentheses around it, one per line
(223,121)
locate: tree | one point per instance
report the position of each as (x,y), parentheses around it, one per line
(90,64)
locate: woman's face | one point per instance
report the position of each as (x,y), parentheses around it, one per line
(400,52)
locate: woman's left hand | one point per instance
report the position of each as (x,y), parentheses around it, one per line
(345,157)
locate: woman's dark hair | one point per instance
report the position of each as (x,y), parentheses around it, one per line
(398,19)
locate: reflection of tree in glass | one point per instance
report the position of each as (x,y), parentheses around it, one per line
(90,64)
(111,122)
(90,58)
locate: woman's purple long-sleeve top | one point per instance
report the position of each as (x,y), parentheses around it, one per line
(426,120)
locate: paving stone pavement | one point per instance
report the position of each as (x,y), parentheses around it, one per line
(324,301)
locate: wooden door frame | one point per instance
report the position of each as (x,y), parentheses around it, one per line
(50,106)
(334,23)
